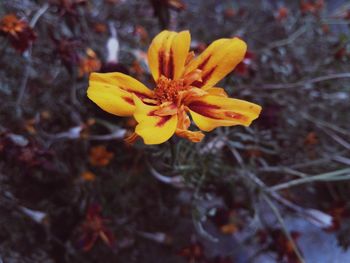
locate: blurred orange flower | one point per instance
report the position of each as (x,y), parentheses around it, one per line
(141,32)
(100,27)
(29,125)
(311,139)
(282,13)
(89,64)
(88,176)
(184,84)
(100,156)
(229,12)
(18,31)
(10,24)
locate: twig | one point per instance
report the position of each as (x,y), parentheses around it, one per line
(309,214)
(28,57)
(323,123)
(23,85)
(338,139)
(342,159)
(286,232)
(117,135)
(283,170)
(74,134)
(314,216)
(38,14)
(176,181)
(321,161)
(336,22)
(73,89)
(321,177)
(288,40)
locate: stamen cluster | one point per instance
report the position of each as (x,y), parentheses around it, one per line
(167,90)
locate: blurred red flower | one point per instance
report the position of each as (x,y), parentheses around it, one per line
(68,6)
(245,67)
(193,253)
(94,227)
(67,51)
(311,7)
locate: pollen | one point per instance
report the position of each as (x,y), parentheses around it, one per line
(168,90)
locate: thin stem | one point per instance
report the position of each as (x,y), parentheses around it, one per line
(321,177)
(283,225)
(23,85)
(288,40)
(73,89)
(172,151)
(28,56)
(38,14)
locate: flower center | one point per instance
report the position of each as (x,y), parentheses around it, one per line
(167,90)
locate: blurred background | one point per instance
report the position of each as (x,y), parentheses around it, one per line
(71,189)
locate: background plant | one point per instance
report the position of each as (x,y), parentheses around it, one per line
(73,191)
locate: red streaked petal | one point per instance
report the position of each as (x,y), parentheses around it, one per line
(219,59)
(113,92)
(209,112)
(167,54)
(153,128)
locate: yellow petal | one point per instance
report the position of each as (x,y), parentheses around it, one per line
(216,61)
(152,128)
(209,112)
(217,92)
(167,54)
(113,92)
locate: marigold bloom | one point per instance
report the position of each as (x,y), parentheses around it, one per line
(184,84)
(18,31)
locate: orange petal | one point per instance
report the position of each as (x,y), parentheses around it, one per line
(219,59)
(167,54)
(209,112)
(152,128)
(113,92)
(193,136)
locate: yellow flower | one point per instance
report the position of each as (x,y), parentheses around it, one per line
(184,84)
